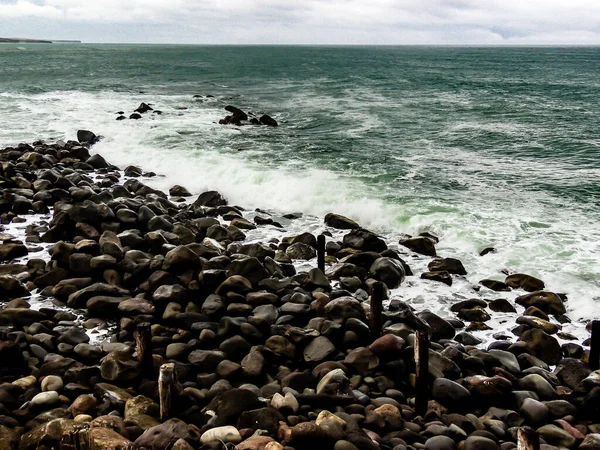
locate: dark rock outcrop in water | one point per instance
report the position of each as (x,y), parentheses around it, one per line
(248,352)
(239,117)
(87,137)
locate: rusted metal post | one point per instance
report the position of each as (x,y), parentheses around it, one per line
(528,439)
(143,340)
(321,252)
(375,318)
(167,380)
(595,346)
(421,372)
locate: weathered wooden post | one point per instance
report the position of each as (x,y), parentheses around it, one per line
(595,346)
(321,252)
(528,439)
(167,380)
(375,318)
(421,372)
(143,341)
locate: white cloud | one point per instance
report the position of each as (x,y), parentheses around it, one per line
(330,21)
(23,8)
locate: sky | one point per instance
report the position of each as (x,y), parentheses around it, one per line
(339,22)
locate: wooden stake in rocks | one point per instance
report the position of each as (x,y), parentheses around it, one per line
(143,340)
(528,439)
(167,380)
(422,371)
(595,346)
(375,317)
(321,252)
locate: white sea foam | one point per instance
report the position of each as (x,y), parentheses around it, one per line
(535,233)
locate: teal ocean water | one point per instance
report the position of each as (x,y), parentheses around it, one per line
(482,146)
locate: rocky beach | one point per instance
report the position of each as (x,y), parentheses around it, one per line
(136,318)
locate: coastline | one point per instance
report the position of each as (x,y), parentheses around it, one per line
(225,313)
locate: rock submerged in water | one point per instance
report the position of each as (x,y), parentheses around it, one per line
(87,137)
(267,120)
(237,117)
(143,108)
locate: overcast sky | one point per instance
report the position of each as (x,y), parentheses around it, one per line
(499,22)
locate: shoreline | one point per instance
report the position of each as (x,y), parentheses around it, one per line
(225,313)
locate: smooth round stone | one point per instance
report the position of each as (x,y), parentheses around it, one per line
(52,383)
(344,445)
(45,398)
(439,443)
(83,418)
(25,382)
(223,434)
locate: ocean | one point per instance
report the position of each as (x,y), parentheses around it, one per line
(481,146)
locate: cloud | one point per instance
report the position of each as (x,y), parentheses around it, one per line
(28,9)
(326,21)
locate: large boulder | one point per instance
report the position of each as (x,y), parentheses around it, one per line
(267,120)
(525,282)
(236,112)
(211,199)
(11,251)
(420,244)
(364,240)
(340,222)
(450,265)
(549,302)
(87,137)
(542,346)
(163,436)
(389,271)
(11,288)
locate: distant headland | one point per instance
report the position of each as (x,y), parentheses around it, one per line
(36,41)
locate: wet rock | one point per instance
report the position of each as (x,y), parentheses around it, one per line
(364,240)
(87,137)
(525,282)
(344,308)
(11,251)
(267,120)
(143,108)
(480,443)
(539,385)
(119,366)
(495,285)
(230,404)
(180,259)
(211,199)
(534,411)
(450,393)
(101,438)
(161,437)
(420,244)
(443,277)
(236,112)
(501,305)
(318,349)
(179,191)
(389,271)
(301,251)
(542,346)
(11,288)
(450,265)
(340,222)
(440,443)
(556,436)
(548,302)
(439,327)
